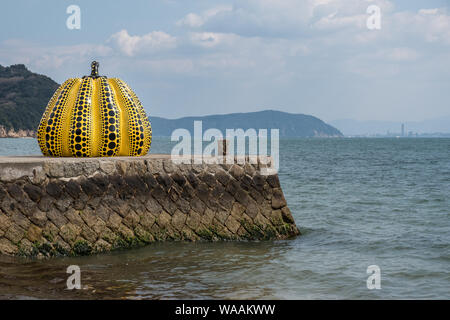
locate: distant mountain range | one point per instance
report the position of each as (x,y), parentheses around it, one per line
(289,124)
(24,96)
(351,127)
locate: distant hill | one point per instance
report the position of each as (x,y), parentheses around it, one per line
(23,98)
(289,124)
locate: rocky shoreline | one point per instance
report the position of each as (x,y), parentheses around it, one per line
(11,133)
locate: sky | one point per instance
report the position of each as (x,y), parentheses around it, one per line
(198,57)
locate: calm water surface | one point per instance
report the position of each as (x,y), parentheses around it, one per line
(358,202)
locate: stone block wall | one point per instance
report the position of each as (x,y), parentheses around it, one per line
(67,206)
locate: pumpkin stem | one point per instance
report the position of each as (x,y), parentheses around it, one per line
(94,69)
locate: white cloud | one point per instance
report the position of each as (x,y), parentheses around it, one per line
(212,39)
(430,25)
(282,18)
(150,42)
(194,20)
(191,20)
(333,21)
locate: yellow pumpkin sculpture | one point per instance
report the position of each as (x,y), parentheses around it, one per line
(94,117)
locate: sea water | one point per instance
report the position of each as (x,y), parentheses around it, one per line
(358,202)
